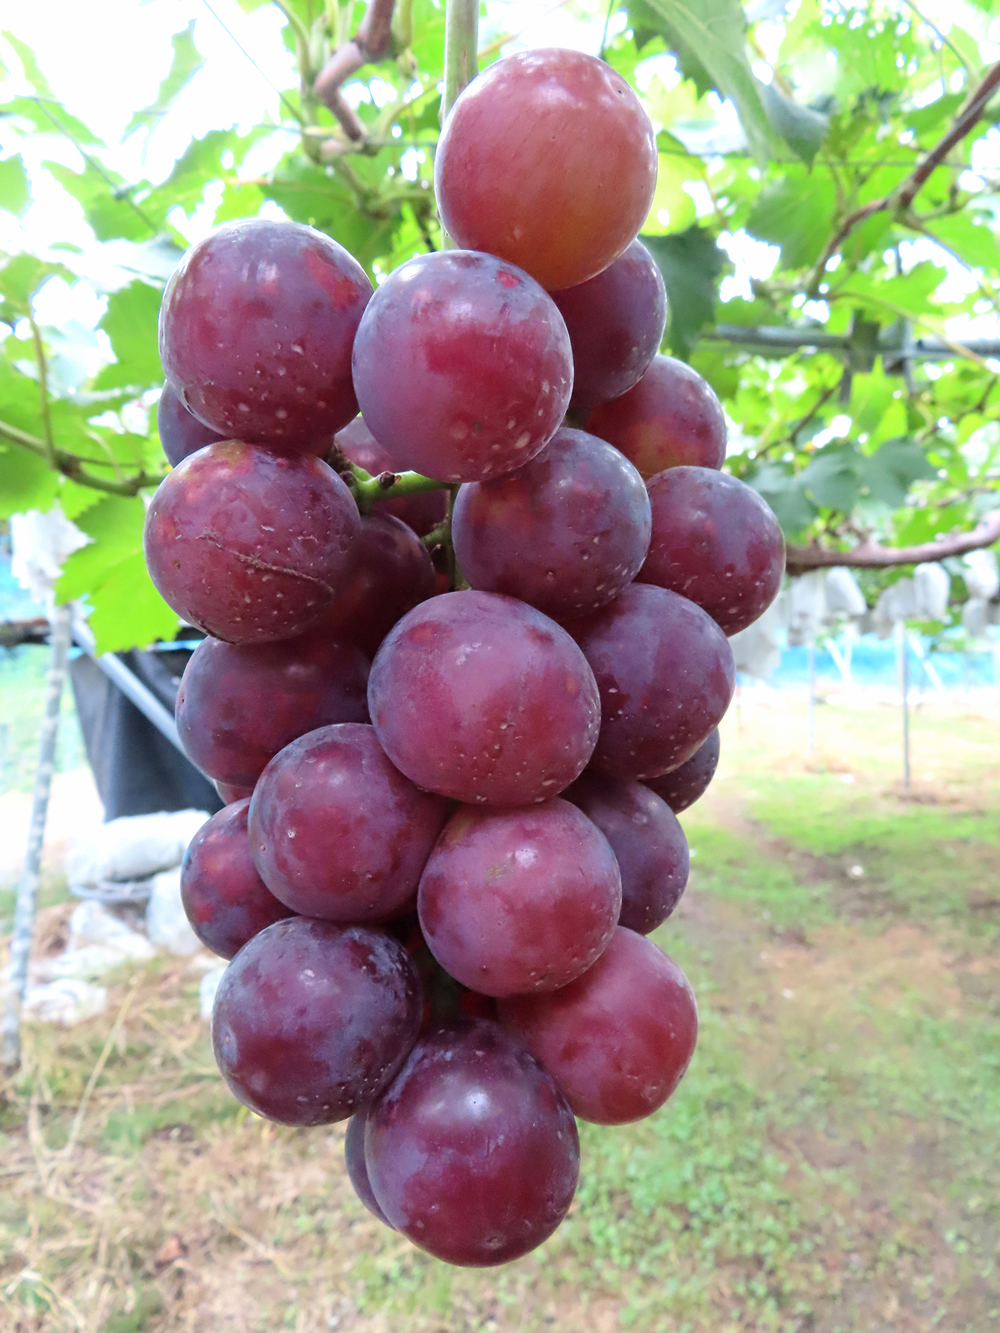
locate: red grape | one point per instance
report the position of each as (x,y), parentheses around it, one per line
(230,792)
(249,544)
(225,899)
(484,699)
(256,330)
(239,704)
(519,900)
(393,573)
(181,433)
(648,843)
(472,1151)
(548,160)
(670,417)
(687,784)
(462,366)
(617,1040)
(357,1170)
(665,673)
(566,532)
(421,512)
(336,832)
(716,542)
(615,324)
(312,1020)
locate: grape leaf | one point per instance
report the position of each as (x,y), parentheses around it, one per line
(26,481)
(187,61)
(708,37)
(801,128)
(794,213)
(690,262)
(14,193)
(893,468)
(833,477)
(131,324)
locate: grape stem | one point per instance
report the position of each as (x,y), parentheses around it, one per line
(388,485)
(461,50)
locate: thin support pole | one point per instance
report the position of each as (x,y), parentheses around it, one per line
(812,697)
(902,649)
(27,889)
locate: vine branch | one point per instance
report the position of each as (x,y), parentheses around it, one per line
(371,42)
(72,466)
(871,554)
(900,199)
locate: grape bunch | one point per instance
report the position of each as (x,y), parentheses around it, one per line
(466,659)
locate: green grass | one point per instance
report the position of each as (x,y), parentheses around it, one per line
(827,1165)
(22,691)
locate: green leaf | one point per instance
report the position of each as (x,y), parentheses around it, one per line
(312,195)
(131,323)
(970,236)
(690,262)
(14,189)
(709,38)
(26,481)
(892,469)
(833,477)
(795,213)
(107,201)
(32,71)
(784,492)
(128,611)
(21,277)
(187,61)
(801,128)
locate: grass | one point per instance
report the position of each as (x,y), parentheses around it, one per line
(22,688)
(827,1166)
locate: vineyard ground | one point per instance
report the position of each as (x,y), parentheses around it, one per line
(828,1165)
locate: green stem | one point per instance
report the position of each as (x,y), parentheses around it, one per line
(43,387)
(389,485)
(72,466)
(461,61)
(461,43)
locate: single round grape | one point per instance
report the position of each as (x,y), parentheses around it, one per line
(256,330)
(226,901)
(615,323)
(357,1170)
(181,433)
(421,512)
(716,542)
(482,698)
(687,784)
(648,843)
(669,418)
(617,1040)
(548,160)
(392,573)
(312,1020)
(513,901)
(336,832)
(231,792)
(462,366)
(239,704)
(472,1151)
(666,676)
(567,532)
(249,544)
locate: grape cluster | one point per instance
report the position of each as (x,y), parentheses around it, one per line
(453,787)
